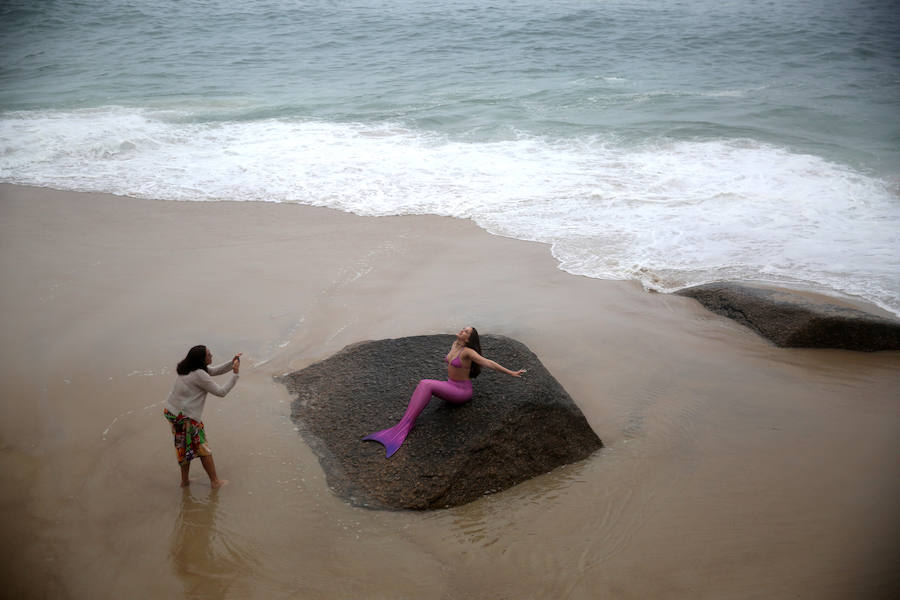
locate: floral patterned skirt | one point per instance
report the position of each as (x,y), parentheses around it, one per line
(190,437)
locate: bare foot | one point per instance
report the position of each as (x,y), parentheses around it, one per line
(218,483)
(187,483)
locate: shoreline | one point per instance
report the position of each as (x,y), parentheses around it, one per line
(712,482)
(814,291)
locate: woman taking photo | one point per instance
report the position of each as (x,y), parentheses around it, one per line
(184,409)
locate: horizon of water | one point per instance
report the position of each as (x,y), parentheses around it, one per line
(672,142)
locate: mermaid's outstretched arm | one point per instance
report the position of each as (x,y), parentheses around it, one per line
(489,364)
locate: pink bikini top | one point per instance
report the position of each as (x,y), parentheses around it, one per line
(456,362)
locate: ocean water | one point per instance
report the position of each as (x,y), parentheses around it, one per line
(672,142)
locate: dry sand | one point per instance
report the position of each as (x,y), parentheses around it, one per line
(733,469)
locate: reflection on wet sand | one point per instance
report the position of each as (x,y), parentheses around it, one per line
(207,560)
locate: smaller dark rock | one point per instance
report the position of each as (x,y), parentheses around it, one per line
(511,430)
(797,320)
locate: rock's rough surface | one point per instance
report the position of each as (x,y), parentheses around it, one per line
(512,429)
(794,319)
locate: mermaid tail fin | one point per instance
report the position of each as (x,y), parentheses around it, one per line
(391,438)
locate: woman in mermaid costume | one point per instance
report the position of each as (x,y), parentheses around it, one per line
(464,362)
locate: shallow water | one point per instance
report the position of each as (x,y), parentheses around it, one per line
(696,495)
(731,468)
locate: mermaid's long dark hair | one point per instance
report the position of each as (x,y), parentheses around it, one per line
(195,359)
(475,344)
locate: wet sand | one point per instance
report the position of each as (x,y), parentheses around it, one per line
(732,469)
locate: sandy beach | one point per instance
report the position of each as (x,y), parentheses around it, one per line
(732,468)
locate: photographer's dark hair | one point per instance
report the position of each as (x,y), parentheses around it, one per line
(475,344)
(195,359)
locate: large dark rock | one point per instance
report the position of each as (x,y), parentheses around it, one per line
(511,430)
(795,319)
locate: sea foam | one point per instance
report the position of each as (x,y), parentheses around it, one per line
(667,213)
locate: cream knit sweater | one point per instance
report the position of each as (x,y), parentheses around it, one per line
(189,392)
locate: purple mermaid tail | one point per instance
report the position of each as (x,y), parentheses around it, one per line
(450,390)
